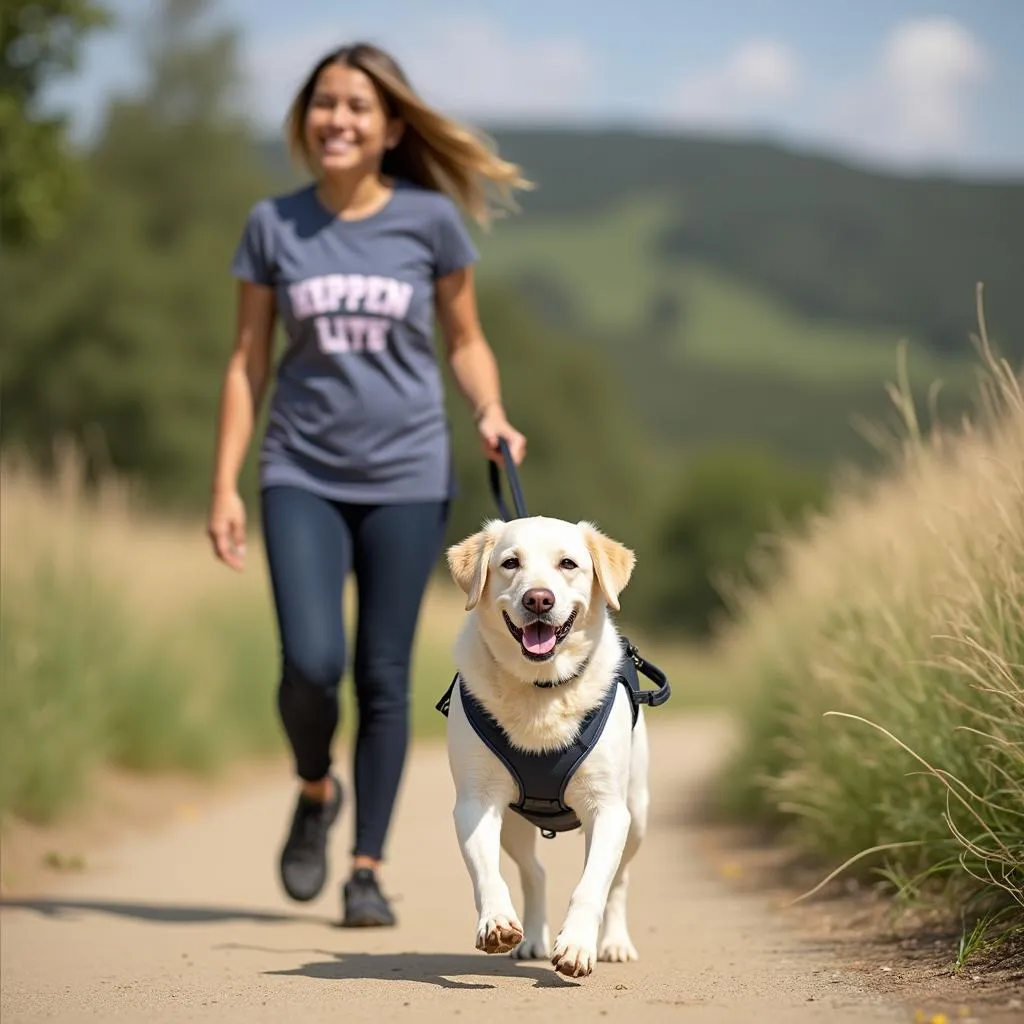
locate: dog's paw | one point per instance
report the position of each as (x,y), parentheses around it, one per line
(617,949)
(574,960)
(533,948)
(499,934)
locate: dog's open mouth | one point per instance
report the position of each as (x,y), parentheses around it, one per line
(538,639)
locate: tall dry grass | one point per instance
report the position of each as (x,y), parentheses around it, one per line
(880,682)
(123,642)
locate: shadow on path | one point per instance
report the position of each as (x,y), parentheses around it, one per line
(165,913)
(440,969)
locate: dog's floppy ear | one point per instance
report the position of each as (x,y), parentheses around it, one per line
(467,561)
(613,563)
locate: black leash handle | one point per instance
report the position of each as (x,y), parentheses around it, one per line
(652,698)
(513,482)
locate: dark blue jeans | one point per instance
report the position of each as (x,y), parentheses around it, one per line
(312,544)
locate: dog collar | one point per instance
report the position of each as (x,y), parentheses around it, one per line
(548,684)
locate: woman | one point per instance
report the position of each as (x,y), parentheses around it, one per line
(355,463)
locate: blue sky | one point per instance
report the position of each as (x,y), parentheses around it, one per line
(903,84)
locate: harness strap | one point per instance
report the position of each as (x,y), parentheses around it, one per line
(542,778)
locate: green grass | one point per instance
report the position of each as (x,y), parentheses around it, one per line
(611,273)
(604,263)
(880,682)
(737,366)
(729,324)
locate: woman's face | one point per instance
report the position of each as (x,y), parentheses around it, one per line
(347,128)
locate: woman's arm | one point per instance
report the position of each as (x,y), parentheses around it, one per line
(473,363)
(245,381)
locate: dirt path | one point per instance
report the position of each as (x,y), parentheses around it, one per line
(189,924)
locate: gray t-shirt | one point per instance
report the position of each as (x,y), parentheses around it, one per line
(358,411)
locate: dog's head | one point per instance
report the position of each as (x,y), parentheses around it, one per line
(540,586)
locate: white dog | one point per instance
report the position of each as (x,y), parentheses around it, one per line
(538,655)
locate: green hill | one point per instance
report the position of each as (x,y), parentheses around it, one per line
(748,294)
(833,241)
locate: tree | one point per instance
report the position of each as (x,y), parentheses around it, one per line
(116,332)
(39,41)
(724,504)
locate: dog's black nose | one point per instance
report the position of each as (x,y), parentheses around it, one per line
(538,600)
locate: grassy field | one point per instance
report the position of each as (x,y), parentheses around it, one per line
(705,358)
(880,683)
(612,275)
(123,642)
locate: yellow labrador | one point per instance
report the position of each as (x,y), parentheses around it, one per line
(537,654)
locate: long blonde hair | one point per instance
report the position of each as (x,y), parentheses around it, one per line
(434,152)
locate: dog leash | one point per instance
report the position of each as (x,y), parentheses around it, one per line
(513,482)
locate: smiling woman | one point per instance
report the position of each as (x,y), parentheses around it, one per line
(334,122)
(355,464)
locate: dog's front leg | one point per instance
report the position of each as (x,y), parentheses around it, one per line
(576,946)
(478,826)
(519,838)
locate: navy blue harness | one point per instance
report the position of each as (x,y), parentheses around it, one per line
(542,777)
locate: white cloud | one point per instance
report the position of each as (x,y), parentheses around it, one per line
(911,101)
(755,77)
(473,67)
(469,67)
(915,103)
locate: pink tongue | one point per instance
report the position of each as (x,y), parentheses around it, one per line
(538,637)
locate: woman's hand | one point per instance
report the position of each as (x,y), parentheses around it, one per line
(245,379)
(226,528)
(493,424)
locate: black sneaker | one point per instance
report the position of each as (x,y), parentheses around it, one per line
(365,905)
(303,863)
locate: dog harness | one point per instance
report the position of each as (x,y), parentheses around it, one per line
(543,776)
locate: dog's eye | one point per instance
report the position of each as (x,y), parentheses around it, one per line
(510,564)
(567,563)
